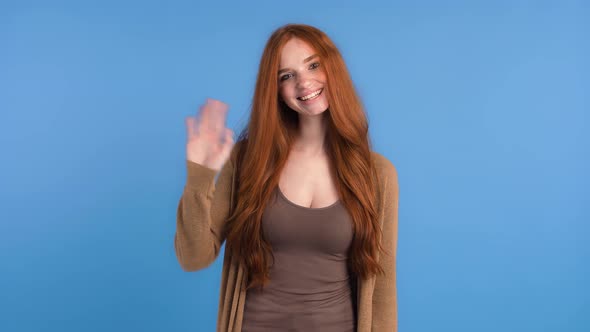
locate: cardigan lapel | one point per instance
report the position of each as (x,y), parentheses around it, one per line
(364,304)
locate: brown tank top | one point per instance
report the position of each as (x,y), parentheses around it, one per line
(310,288)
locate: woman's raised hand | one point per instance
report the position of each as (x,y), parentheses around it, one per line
(209,142)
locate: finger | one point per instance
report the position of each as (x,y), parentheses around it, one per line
(228,136)
(190,126)
(203,113)
(216,103)
(212,115)
(217,115)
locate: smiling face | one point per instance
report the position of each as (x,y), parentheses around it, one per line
(302,79)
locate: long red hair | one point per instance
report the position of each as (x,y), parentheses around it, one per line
(263,147)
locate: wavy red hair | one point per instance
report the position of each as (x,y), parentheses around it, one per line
(263,147)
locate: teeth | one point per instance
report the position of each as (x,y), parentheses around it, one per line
(311,95)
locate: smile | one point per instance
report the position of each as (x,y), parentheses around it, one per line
(311,95)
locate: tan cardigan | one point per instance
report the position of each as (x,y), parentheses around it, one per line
(203,209)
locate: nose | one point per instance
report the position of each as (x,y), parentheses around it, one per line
(303,81)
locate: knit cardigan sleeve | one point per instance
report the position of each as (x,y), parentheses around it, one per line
(201,215)
(384,306)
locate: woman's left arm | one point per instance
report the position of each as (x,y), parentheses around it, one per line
(385,292)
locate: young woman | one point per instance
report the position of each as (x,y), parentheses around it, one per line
(307,211)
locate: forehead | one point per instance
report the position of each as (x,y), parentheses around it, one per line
(294,52)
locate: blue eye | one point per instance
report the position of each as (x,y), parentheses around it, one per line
(285,77)
(314,65)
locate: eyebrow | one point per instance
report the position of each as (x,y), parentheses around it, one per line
(309,58)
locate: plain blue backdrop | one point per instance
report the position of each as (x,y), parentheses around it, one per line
(481,105)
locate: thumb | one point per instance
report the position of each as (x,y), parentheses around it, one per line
(228,135)
(228,141)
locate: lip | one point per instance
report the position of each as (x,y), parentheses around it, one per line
(308,92)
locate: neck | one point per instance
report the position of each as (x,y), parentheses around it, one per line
(311,137)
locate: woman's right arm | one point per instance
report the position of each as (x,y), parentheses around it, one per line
(201,215)
(204,206)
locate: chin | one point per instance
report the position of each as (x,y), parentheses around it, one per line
(321,107)
(312,111)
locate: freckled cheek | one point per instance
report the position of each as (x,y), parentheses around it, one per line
(321,77)
(286,92)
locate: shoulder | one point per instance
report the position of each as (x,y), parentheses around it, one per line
(385,168)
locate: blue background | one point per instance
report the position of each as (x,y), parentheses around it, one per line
(482,107)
